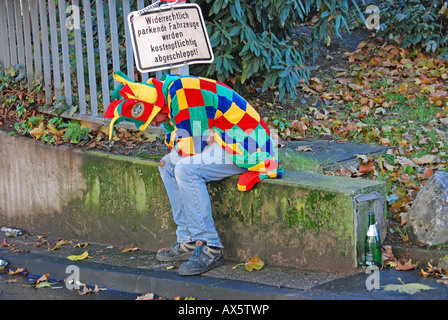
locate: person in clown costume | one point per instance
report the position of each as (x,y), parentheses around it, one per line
(214,133)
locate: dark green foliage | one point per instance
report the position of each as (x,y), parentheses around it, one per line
(416,23)
(252,40)
(256,40)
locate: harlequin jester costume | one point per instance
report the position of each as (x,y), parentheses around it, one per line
(195,106)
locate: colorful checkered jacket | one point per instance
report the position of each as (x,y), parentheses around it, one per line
(198,106)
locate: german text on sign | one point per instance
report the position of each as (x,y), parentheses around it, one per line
(170,37)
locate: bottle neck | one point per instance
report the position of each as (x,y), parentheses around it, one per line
(371,219)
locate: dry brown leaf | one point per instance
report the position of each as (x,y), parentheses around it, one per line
(43,278)
(428,159)
(86,290)
(407,266)
(38,132)
(17,271)
(56,132)
(365,168)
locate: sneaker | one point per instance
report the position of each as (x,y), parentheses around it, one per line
(203,259)
(178,251)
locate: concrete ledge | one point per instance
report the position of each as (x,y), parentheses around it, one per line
(303,220)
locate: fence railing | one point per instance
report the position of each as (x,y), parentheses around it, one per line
(73,47)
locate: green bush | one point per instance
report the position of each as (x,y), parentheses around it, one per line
(416,24)
(256,40)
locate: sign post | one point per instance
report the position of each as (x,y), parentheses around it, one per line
(168,37)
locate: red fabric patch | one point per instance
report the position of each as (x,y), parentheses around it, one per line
(249,179)
(222,123)
(207,85)
(182,115)
(247,123)
(194,97)
(263,124)
(126,89)
(111,108)
(126,109)
(270,164)
(160,102)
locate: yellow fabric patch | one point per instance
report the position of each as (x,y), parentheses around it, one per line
(155,111)
(181,99)
(259,167)
(190,83)
(141,91)
(242,188)
(234,114)
(186,145)
(251,111)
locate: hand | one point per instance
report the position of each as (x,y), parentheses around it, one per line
(210,138)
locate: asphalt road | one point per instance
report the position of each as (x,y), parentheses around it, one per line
(20,287)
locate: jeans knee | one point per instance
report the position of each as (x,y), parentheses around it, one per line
(166,166)
(162,168)
(181,171)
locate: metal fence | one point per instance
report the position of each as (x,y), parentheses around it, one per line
(73,46)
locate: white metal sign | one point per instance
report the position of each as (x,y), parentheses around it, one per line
(169,37)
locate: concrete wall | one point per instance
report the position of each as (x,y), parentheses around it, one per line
(303,220)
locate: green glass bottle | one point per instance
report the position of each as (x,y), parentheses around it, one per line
(372,244)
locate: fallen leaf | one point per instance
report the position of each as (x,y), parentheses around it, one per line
(172,267)
(428,159)
(254,263)
(81,245)
(409,288)
(405,162)
(11,281)
(303,148)
(390,263)
(43,278)
(375,61)
(424,80)
(403,87)
(407,266)
(427,173)
(38,132)
(56,132)
(385,142)
(59,244)
(387,253)
(79,257)
(365,168)
(44,284)
(130,249)
(18,271)
(86,290)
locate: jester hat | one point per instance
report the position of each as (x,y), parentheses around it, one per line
(135,102)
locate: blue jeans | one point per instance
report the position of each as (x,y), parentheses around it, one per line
(185,183)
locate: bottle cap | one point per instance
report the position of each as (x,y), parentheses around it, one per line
(372,231)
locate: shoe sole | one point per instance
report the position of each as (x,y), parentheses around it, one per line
(212,265)
(182,257)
